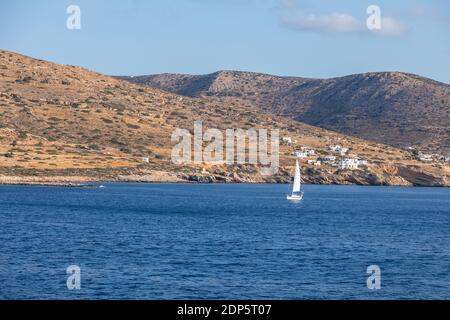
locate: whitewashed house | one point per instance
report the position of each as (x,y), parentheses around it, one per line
(329,159)
(286,140)
(339,150)
(362,162)
(315,162)
(425,157)
(300,154)
(342,151)
(349,163)
(440,157)
(334,147)
(308,150)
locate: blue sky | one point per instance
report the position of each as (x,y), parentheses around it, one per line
(286,37)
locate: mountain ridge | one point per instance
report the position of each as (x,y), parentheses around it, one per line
(385,107)
(63,124)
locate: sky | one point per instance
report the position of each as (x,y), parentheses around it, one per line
(318,39)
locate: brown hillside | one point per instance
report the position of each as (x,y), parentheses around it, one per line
(387,107)
(66,123)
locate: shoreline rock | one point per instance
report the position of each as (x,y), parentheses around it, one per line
(376,175)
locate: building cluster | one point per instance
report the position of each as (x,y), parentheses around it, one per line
(304,152)
(428,157)
(339,150)
(351,163)
(337,157)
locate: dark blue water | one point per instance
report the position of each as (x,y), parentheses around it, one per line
(224,242)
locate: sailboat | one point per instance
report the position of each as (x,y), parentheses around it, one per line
(297,194)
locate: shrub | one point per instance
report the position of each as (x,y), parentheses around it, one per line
(22,135)
(132,126)
(107,120)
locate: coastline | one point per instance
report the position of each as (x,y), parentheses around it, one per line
(369,176)
(95,183)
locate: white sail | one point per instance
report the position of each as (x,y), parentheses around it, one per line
(296,187)
(296,195)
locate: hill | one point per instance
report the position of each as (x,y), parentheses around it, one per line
(64,124)
(393,108)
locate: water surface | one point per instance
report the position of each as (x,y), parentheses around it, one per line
(180,241)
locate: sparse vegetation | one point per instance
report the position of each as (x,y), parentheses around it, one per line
(98,126)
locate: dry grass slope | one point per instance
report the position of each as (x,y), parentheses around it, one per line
(387,107)
(63,123)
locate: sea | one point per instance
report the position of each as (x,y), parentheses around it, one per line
(224,241)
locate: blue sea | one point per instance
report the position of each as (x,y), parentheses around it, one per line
(196,241)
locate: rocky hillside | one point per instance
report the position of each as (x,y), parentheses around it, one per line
(387,107)
(61,124)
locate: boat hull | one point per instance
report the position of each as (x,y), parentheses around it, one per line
(294,197)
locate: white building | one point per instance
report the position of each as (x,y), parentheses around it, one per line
(315,162)
(145,160)
(362,162)
(339,150)
(440,157)
(342,151)
(300,154)
(308,150)
(334,147)
(286,140)
(349,163)
(425,157)
(329,159)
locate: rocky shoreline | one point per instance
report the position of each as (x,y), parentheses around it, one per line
(375,175)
